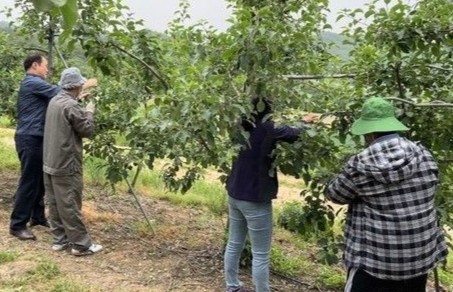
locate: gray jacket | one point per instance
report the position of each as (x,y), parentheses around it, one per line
(67,123)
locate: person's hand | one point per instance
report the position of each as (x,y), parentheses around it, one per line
(90,83)
(83,95)
(87,87)
(90,107)
(310,118)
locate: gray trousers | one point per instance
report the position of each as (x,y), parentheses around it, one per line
(64,199)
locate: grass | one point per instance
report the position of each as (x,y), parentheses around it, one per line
(294,256)
(143,228)
(331,277)
(66,285)
(209,195)
(8,159)
(93,173)
(8,256)
(286,264)
(446,275)
(37,273)
(6,122)
(40,273)
(16,284)
(45,270)
(8,155)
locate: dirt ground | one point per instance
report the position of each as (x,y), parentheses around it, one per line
(185,254)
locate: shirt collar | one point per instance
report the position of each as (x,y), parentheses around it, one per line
(34,75)
(385,138)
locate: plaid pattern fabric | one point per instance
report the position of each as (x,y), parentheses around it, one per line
(391,226)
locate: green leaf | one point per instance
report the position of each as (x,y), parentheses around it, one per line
(70,15)
(59,3)
(43,5)
(369,13)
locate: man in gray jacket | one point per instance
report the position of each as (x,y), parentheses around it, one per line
(67,122)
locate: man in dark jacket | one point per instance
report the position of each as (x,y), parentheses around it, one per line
(392,237)
(34,95)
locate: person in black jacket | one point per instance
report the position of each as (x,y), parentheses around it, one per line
(251,186)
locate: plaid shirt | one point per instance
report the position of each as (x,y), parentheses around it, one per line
(391,226)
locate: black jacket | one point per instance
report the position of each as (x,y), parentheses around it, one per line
(252,177)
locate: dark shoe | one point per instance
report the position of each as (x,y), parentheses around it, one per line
(24,234)
(42,223)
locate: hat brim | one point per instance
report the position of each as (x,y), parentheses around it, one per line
(390,124)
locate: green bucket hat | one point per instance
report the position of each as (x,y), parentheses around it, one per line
(378,115)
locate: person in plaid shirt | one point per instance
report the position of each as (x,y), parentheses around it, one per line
(392,238)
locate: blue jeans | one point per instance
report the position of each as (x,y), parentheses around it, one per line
(29,199)
(256,220)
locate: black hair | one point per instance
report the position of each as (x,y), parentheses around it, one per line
(262,107)
(28,62)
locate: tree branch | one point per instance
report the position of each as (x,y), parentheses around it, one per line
(132,191)
(35,49)
(204,143)
(401,88)
(317,77)
(349,75)
(434,103)
(439,68)
(60,56)
(149,67)
(294,280)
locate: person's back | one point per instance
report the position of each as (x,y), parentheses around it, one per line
(252,176)
(392,238)
(66,124)
(252,185)
(33,97)
(393,218)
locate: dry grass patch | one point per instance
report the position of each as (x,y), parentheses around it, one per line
(93,215)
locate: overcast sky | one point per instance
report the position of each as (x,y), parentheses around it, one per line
(157,13)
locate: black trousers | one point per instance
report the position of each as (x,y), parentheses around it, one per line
(29,199)
(364,282)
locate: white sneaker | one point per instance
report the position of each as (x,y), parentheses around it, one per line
(60,246)
(94,248)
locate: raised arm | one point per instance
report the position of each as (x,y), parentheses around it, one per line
(81,120)
(44,90)
(286,134)
(341,189)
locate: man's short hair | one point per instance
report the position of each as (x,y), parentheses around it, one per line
(32,59)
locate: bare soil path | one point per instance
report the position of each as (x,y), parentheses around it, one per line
(185,254)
